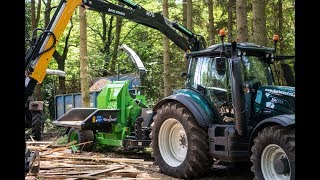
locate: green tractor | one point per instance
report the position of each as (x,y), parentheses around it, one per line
(230,111)
(117,118)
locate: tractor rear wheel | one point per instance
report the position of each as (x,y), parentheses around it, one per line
(180,145)
(37,125)
(81,136)
(273,154)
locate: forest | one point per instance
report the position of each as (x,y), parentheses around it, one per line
(253,21)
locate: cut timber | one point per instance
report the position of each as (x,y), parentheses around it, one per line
(72,166)
(39,142)
(32,139)
(39,148)
(95,173)
(64,148)
(127,172)
(117,160)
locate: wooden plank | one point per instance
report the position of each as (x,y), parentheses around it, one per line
(64,148)
(37,148)
(95,173)
(39,142)
(63,173)
(74,166)
(32,139)
(117,160)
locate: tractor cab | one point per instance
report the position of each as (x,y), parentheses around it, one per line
(209,72)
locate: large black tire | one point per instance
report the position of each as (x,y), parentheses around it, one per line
(81,137)
(272,144)
(37,125)
(193,160)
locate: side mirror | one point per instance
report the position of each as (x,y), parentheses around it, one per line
(221,65)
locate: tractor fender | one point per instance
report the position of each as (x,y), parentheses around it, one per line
(203,118)
(283,120)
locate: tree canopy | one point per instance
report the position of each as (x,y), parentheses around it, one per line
(148,42)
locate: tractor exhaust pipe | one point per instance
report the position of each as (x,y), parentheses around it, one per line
(237,93)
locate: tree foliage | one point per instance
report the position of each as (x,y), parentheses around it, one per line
(147,42)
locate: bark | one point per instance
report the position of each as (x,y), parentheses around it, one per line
(61,58)
(259,29)
(84,78)
(189,15)
(242,24)
(166,55)
(280,19)
(35,16)
(47,13)
(231,9)
(211,23)
(116,45)
(184,13)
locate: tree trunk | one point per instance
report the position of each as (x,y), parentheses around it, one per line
(35,15)
(184,13)
(211,23)
(107,39)
(59,57)
(84,78)
(116,45)
(231,8)
(166,55)
(259,29)
(47,13)
(38,13)
(189,14)
(242,24)
(62,80)
(280,19)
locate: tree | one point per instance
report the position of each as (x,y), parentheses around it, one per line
(184,13)
(84,78)
(280,28)
(231,8)
(189,15)
(59,57)
(166,54)
(259,29)
(35,14)
(242,24)
(116,44)
(35,17)
(211,23)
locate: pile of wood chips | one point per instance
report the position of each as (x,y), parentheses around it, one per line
(58,162)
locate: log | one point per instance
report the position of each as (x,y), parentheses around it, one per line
(117,160)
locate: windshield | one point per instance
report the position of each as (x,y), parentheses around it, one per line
(255,69)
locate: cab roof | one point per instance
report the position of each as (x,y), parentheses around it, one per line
(249,48)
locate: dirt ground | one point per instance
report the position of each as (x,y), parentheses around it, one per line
(53,165)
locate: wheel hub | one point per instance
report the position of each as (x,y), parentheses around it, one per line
(274,163)
(183,141)
(281,166)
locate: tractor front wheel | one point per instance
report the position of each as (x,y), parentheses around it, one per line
(273,154)
(180,145)
(81,136)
